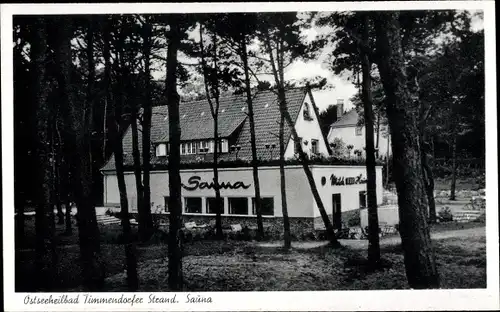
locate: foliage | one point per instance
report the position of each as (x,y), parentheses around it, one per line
(339,148)
(326,118)
(353,219)
(316,160)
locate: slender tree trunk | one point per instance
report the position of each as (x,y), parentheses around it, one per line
(419,257)
(255,161)
(57,181)
(387,159)
(79,120)
(146,132)
(136,154)
(45,246)
(453,166)
(377,144)
(373,227)
(426,168)
(218,201)
(278,74)
(175,233)
(286,222)
(114,131)
(214,110)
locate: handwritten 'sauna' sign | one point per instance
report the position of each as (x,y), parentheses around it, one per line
(194,183)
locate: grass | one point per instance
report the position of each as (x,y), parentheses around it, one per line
(444,184)
(244,266)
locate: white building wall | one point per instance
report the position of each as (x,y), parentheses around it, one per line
(349,193)
(307,130)
(299,196)
(348,135)
(298,192)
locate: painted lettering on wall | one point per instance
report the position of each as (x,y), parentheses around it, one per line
(334,180)
(195,183)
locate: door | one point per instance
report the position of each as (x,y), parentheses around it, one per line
(337,211)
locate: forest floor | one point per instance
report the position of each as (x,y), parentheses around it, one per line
(248,266)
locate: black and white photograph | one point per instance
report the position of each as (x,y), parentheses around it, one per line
(172,157)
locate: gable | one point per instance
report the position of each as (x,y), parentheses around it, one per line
(307,129)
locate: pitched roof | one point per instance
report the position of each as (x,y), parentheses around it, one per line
(197,124)
(347,120)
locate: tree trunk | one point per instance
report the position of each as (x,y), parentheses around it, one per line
(278,74)
(214,110)
(218,201)
(45,262)
(79,120)
(377,144)
(57,181)
(114,132)
(147,219)
(453,166)
(373,226)
(255,167)
(136,154)
(419,257)
(175,232)
(387,158)
(286,222)
(426,168)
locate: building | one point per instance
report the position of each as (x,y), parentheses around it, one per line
(348,129)
(342,188)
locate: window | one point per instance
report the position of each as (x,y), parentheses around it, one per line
(212,205)
(267,206)
(314,146)
(225,146)
(362,199)
(167,199)
(238,205)
(193,204)
(359,131)
(161,149)
(307,113)
(188,148)
(203,147)
(298,145)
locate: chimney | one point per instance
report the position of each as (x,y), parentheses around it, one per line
(340,108)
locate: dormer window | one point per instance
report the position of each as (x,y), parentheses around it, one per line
(161,150)
(306,112)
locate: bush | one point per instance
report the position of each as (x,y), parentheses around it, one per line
(353,218)
(445,215)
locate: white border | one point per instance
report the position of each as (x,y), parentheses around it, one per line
(388,300)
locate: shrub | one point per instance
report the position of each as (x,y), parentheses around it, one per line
(445,215)
(353,218)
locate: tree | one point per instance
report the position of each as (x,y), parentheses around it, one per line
(174,35)
(326,118)
(212,91)
(373,227)
(419,257)
(45,228)
(23,127)
(115,127)
(147,45)
(235,31)
(281,42)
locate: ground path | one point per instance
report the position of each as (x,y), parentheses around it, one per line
(385,241)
